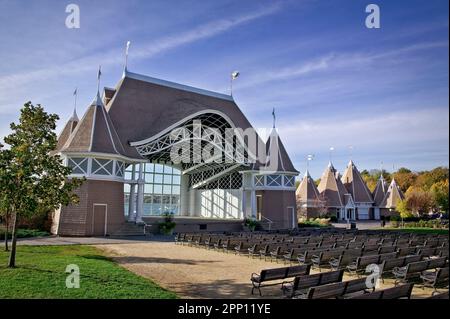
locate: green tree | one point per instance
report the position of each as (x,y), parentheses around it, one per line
(419,202)
(403,209)
(439,192)
(32,177)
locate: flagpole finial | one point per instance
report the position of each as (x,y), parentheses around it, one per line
(234,76)
(331,153)
(127,48)
(99,74)
(273,116)
(74,115)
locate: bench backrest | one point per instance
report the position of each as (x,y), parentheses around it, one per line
(436,263)
(402,291)
(298,270)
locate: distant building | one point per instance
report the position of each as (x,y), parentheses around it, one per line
(347,197)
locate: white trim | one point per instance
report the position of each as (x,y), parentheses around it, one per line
(183,120)
(128,160)
(109,130)
(106,218)
(178,86)
(93,128)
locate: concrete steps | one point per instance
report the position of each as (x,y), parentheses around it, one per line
(129,229)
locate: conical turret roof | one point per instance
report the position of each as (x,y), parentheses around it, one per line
(331,188)
(393,196)
(67,130)
(277,157)
(307,191)
(94,133)
(355,184)
(380,191)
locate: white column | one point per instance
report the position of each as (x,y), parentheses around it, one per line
(140,194)
(131,201)
(244,203)
(183,209)
(253,203)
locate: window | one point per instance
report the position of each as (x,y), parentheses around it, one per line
(102,166)
(259,180)
(274,180)
(78,165)
(119,168)
(161,188)
(289,181)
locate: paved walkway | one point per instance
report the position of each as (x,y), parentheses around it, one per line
(57,241)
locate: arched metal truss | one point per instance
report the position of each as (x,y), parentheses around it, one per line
(204,148)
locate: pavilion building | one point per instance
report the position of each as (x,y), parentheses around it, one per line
(125,145)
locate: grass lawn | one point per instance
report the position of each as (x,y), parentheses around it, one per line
(40,273)
(419,230)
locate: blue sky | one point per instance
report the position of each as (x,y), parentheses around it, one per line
(332,81)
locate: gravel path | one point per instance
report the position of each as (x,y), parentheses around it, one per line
(198,273)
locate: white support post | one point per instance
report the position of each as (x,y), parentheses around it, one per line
(244,203)
(131,200)
(253,203)
(183,209)
(140,194)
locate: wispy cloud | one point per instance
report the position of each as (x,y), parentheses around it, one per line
(388,131)
(158,46)
(332,61)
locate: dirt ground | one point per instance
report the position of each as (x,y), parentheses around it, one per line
(199,273)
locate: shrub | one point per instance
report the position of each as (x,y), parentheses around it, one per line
(24,233)
(168,225)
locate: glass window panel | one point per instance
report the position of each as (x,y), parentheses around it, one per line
(149,168)
(157,199)
(128,175)
(176,171)
(167,169)
(157,189)
(168,179)
(166,199)
(175,200)
(176,180)
(149,178)
(167,189)
(175,189)
(126,188)
(274,180)
(159,168)
(148,188)
(158,179)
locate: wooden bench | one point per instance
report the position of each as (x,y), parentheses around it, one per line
(277,274)
(324,257)
(444,295)
(336,290)
(398,292)
(348,256)
(414,269)
(302,283)
(362,262)
(389,264)
(434,279)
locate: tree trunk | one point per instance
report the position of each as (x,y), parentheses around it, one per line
(12,256)
(6,232)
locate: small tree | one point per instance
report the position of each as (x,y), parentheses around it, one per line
(439,192)
(403,210)
(4,200)
(31,177)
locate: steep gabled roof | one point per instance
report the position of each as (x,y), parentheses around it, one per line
(94,133)
(307,191)
(380,191)
(393,196)
(355,184)
(277,157)
(331,188)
